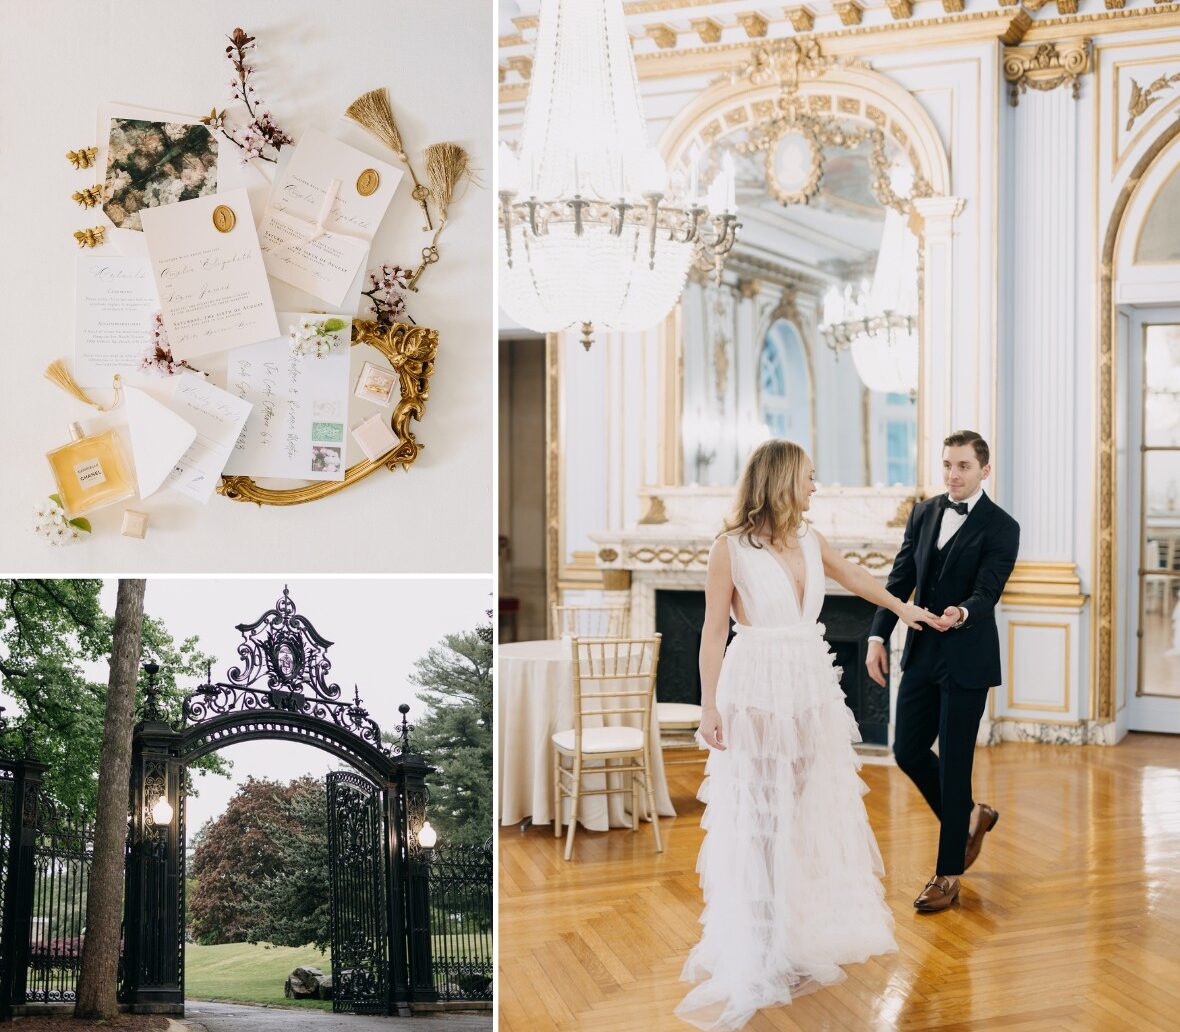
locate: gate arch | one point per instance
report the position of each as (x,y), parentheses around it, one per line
(280,690)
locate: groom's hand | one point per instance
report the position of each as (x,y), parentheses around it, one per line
(877,662)
(950,617)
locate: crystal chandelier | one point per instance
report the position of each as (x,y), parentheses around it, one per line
(591,232)
(877,322)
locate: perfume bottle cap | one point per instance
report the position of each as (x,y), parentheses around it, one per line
(76,432)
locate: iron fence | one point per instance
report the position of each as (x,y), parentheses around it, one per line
(460,894)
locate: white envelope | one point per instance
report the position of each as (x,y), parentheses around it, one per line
(231,173)
(159,437)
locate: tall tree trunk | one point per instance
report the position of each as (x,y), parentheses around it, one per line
(104,908)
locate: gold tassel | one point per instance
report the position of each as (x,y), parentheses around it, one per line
(89,197)
(91,237)
(57,373)
(372,111)
(83,158)
(447,165)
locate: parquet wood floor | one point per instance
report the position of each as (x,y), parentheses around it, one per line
(1069,920)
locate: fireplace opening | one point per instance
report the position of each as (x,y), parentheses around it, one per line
(846,619)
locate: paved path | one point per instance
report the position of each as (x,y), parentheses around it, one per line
(237,1017)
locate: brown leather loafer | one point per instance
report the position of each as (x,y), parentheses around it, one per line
(987,821)
(939,894)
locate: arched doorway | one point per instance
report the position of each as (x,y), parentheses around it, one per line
(1135,566)
(280,690)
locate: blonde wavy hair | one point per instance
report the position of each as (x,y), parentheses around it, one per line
(770,493)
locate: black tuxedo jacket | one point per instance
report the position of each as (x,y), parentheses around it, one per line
(976,566)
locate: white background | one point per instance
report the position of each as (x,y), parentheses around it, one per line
(58,60)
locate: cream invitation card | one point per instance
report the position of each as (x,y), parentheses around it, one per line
(210,277)
(218,418)
(323,214)
(300,400)
(115,300)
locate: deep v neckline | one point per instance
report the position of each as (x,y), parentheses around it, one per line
(799,595)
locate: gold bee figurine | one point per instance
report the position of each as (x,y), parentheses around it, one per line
(83,158)
(90,237)
(89,197)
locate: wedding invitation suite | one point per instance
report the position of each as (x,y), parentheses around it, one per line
(300,400)
(115,299)
(218,418)
(209,274)
(323,214)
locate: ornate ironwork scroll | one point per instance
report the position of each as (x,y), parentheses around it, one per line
(284,670)
(356,867)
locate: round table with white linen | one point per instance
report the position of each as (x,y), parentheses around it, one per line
(534,699)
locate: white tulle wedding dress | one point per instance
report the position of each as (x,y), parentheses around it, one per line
(789,866)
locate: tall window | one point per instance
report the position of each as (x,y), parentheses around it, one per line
(785,387)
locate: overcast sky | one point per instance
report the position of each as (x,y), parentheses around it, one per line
(378,627)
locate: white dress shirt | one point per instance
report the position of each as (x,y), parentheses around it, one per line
(951,522)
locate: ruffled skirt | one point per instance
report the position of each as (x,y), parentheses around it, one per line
(789,867)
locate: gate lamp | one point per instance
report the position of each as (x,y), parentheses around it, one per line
(162,812)
(427,836)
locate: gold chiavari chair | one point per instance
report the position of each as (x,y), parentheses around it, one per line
(602,621)
(612,676)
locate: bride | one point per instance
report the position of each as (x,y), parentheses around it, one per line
(789,866)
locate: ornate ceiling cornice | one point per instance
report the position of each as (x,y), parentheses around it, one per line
(672,41)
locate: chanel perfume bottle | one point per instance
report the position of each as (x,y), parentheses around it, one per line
(91,471)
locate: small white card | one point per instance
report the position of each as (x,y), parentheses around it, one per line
(298,386)
(218,417)
(327,265)
(210,278)
(115,300)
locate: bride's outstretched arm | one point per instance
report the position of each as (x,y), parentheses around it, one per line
(714,633)
(859,581)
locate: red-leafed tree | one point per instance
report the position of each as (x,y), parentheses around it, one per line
(260,866)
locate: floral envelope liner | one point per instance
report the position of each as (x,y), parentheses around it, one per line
(150,164)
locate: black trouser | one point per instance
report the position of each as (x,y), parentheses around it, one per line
(930,706)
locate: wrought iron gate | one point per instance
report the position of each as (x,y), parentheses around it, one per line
(460,894)
(356,873)
(45,858)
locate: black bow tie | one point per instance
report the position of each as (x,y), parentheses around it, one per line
(959,507)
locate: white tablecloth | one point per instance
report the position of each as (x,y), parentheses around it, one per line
(535,698)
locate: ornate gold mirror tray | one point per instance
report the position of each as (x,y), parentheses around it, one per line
(410,350)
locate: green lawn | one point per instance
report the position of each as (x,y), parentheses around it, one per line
(248,973)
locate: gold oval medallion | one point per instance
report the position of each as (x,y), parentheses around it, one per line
(367,182)
(224,218)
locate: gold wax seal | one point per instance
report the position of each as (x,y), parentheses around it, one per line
(367,182)
(224,218)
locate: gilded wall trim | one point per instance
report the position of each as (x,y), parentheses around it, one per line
(1104,645)
(1045,66)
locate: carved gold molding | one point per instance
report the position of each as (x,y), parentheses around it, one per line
(616,580)
(850,12)
(707,30)
(607,555)
(754,24)
(1050,585)
(900,10)
(667,556)
(802,19)
(523,66)
(869,560)
(1045,66)
(664,36)
(411,351)
(655,511)
(904,508)
(1141,99)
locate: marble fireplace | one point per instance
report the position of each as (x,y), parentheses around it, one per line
(661,563)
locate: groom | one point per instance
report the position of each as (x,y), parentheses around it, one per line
(958,552)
